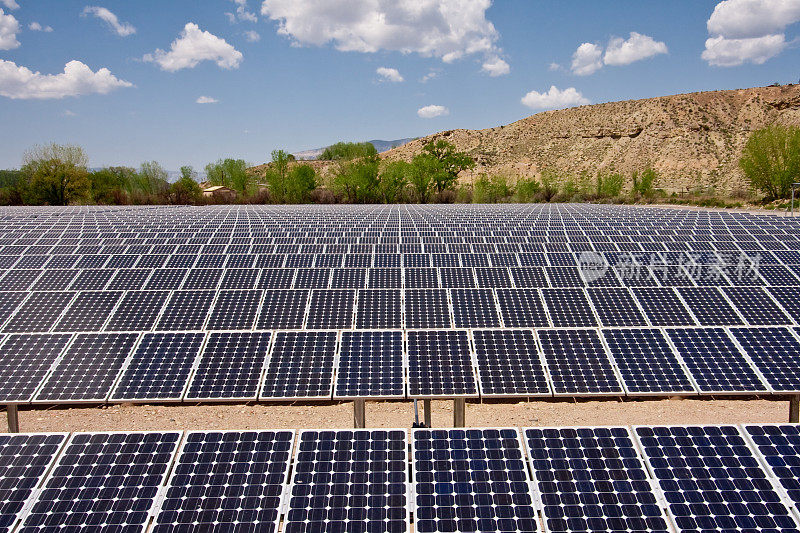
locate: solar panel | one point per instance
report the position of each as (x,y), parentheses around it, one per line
(202,278)
(55,280)
(709,306)
(711,480)
(230,366)
(25,458)
(787,297)
(137,311)
(426,308)
(474,308)
(300,365)
(471,480)
(522,308)
(9,301)
(282,309)
(239,278)
(776,354)
(186,310)
(457,277)
(19,280)
(714,362)
(349,278)
(569,308)
(25,359)
(616,307)
(529,277)
(439,364)
(379,309)
(421,278)
(577,363)
(227,481)
(779,445)
(592,479)
(493,277)
(91,280)
(331,309)
(755,305)
(159,368)
(370,365)
(354,481)
(385,278)
(276,278)
(311,278)
(39,312)
(87,370)
(103,482)
(646,362)
(234,309)
(663,307)
(128,279)
(508,364)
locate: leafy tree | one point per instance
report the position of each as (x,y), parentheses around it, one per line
(186,190)
(644,182)
(346,151)
(609,185)
(231,173)
(277,175)
(56,174)
(301,181)
(488,190)
(526,190)
(109,185)
(425,170)
(150,183)
(12,185)
(452,163)
(771,160)
(357,180)
(393,179)
(187,172)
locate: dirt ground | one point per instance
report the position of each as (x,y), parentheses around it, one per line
(400,414)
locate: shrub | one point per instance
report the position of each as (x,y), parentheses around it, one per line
(526,190)
(488,190)
(425,169)
(609,185)
(451,163)
(644,183)
(347,151)
(231,173)
(357,180)
(393,180)
(55,174)
(771,160)
(549,187)
(300,182)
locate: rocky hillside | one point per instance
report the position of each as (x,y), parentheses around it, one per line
(693,140)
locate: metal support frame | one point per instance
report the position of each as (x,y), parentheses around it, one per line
(13,418)
(794,409)
(359,413)
(791,205)
(459,412)
(426,404)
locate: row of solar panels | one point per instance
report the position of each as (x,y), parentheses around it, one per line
(646,478)
(324,365)
(320,309)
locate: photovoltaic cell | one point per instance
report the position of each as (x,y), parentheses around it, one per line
(755,305)
(282,309)
(663,307)
(779,444)
(300,365)
(709,306)
(776,354)
(370,365)
(186,310)
(234,309)
(25,359)
(569,308)
(616,307)
(439,364)
(522,308)
(577,363)
(471,480)
(227,481)
(137,311)
(331,309)
(508,363)
(474,308)
(426,308)
(379,309)
(89,311)
(39,312)
(354,481)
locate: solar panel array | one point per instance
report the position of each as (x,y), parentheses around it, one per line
(523,300)
(553,479)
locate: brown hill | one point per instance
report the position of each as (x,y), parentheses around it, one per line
(692,140)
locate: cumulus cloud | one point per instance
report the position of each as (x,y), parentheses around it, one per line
(555,99)
(389,74)
(206,100)
(10,4)
(193,46)
(9,27)
(252,36)
(637,47)
(242,13)
(19,82)
(123,29)
(69,113)
(446,29)
(432,74)
(35,26)
(748,31)
(433,111)
(587,59)
(495,66)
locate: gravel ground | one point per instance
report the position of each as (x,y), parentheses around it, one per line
(400,414)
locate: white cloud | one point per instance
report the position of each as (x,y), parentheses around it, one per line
(9,27)
(554,67)
(432,74)
(10,4)
(748,31)
(446,29)
(123,29)
(433,111)
(77,79)
(587,59)
(252,36)
(389,74)
(193,46)
(206,100)
(495,66)
(637,47)
(555,99)
(242,13)
(35,26)
(69,113)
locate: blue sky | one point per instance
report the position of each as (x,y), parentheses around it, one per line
(299,74)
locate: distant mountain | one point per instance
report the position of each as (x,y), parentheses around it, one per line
(380,146)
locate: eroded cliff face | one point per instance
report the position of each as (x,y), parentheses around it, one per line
(692,140)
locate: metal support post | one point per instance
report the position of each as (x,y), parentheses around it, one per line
(794,409)
(426,404)
(459,412)
(13,418)
(359,413)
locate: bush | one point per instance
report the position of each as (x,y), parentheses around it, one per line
(425,169)
(526,190)
(357,180)
(393,180)
(300,182)
(56,175)
(609,185)
(487,190)
(549,187)
(644,183)
(346,151)
(771,160)
(231,173)
(451,163)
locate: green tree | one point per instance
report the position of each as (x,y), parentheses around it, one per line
(357,180)
(393,179)
(301,180)
(12,184)
(488,190)
(425,171)
(771,160)
(186,190)
(150,183)
(231,173)
(277,175)
(609,184)
(347,151)
(56,174)
(644,183)
(110,185)
(452,163)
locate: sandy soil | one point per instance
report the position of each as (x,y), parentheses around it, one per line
(400,414)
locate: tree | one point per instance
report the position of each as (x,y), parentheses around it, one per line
(109,185)
(771,160)
(393,179)
(425,170)
(301,180)
(231,173)
(277,174)
(186,190)
(347,151)
(357,180)
(56,174)
(452,163)
(150,183)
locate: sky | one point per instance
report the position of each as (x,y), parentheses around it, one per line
(187,82)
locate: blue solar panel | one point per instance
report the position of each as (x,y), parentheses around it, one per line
(300,365)
(592,479)
(776,354)
(577,363)
(349,480)
(779,445)
(426,308)
(439,364)
(508,363)
(569,308)
(25,359)
(469,480)
(370,365)
(474,308)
